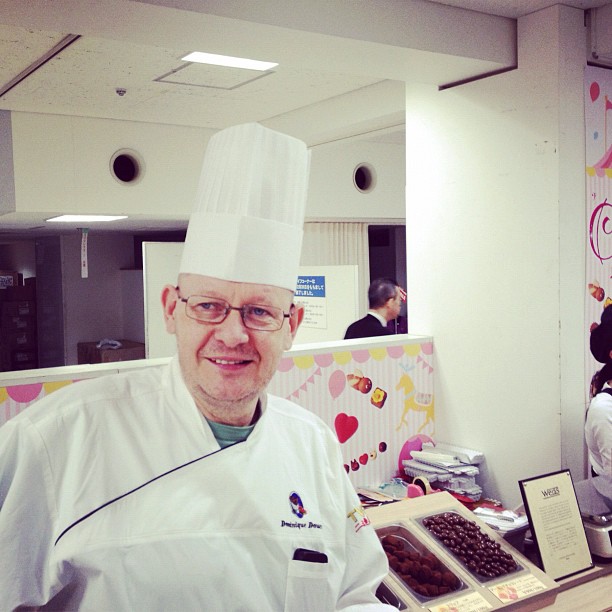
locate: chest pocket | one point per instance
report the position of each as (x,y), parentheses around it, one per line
(308,587)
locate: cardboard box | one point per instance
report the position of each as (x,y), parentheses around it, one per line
(88,352)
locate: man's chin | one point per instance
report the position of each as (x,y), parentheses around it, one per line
(227,400)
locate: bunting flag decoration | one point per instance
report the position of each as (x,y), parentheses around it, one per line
(425,364)
(304,385)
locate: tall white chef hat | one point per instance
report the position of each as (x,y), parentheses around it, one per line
(247,225)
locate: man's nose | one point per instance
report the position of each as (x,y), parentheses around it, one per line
(232,331)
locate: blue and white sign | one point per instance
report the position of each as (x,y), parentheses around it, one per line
(310,286)
(310,292)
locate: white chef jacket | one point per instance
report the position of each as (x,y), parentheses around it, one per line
(116,496)
(598,433)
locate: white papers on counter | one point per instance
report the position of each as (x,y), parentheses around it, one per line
(458,453)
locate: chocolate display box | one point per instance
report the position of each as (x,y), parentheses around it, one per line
(443,557)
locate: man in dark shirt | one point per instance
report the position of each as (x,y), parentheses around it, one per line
(384,299)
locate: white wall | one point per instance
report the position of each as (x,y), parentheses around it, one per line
(573,344)
(62,164)
(332,194)
(491,231)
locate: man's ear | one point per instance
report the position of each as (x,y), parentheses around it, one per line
(295,320)
(169,299)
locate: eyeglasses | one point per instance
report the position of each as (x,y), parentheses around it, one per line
(213,310)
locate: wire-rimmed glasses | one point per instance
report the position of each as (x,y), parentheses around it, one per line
(215,310)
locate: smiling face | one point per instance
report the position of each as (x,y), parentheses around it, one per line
(227,366)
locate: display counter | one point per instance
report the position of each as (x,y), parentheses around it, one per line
(442,557)
(454,581)
(593,593)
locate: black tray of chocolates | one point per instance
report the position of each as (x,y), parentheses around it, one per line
(415,567)
(483,557)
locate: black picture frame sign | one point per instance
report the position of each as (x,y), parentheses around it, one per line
(556,524)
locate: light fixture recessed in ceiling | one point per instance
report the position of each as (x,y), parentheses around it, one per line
(85,218)
(229,61)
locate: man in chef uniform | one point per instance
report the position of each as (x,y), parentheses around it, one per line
(185,486)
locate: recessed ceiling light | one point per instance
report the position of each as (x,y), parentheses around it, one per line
(85,218)
(228,60)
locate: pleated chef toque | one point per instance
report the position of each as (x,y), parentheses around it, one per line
(247,225)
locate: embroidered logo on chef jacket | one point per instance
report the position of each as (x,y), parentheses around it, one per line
(297,507)
(359,518)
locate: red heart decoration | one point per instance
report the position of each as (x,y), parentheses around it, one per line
(363,459)
(345,426)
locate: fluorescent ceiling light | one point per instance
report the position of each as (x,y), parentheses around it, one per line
(227,60)
(85,218)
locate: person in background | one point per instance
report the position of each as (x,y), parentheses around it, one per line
(384,300)
(598,424)
(186,486)
(399,325)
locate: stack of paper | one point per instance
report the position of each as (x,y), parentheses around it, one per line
(448,467)
(465,455)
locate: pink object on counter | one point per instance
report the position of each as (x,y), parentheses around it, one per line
(415,443)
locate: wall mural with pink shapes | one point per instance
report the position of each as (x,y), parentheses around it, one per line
(374,399)
(598,144)
(15,398)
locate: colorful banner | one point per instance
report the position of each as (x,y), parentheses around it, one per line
(598,125)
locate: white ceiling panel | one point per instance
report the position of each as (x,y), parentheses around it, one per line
(83,79)
(21,47)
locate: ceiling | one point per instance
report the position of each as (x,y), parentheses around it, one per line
(121,59)
(519,8)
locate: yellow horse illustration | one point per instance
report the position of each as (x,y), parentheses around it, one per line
(419,402)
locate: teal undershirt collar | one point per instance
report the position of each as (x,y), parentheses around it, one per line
(226,435)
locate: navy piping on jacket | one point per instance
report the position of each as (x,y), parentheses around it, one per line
(112,501)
